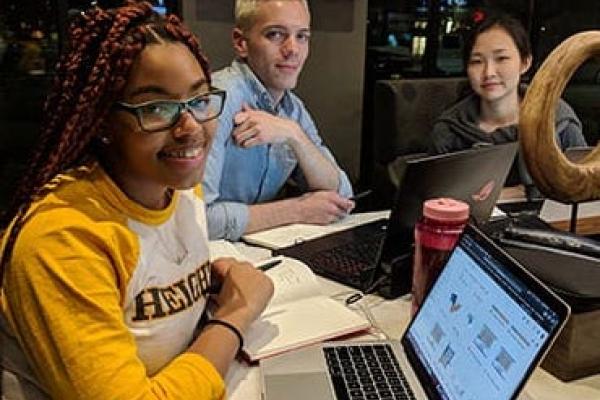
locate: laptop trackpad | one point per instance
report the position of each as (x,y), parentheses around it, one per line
(298,386)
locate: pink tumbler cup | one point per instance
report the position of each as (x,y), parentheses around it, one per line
(436,234)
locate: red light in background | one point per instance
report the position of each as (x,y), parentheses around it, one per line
(478,16)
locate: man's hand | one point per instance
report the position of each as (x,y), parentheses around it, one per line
(323,207)
(256,127)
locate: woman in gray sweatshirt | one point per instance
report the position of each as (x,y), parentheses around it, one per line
(497,54)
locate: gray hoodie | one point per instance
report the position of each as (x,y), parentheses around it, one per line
(458,129)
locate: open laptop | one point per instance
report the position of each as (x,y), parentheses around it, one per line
(352,256)
(484,326)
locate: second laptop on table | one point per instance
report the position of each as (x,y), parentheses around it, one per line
(475,176)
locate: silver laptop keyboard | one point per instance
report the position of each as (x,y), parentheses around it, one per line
(366,372)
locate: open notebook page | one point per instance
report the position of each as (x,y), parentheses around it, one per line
(298,315)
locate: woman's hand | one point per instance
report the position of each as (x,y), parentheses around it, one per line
(244,294)
(245,291)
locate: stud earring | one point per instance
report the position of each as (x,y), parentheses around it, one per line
(104,140)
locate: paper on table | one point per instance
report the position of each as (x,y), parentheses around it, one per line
(554,211)
(292,280)
(289,235)
(497,213)
(224,248)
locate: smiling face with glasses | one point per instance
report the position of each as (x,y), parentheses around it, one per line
(158,115)
(160,133)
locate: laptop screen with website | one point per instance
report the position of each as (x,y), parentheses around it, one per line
(480,329)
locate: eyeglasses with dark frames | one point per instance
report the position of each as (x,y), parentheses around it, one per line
(158,115)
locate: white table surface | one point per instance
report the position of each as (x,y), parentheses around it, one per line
(392,316)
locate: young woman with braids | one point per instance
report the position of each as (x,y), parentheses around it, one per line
(105,258)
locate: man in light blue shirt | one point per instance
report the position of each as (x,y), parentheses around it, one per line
(266,136)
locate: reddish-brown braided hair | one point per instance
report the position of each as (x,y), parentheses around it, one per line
(90,77)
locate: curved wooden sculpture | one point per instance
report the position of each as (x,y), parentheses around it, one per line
(554,175)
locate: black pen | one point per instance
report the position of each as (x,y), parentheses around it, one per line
(360,195)
(267,265)
(215,286)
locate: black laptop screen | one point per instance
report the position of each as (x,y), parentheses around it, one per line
(480,329)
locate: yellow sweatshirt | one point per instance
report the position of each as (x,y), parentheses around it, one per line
(102,294)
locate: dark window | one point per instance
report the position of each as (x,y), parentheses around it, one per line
(31,36)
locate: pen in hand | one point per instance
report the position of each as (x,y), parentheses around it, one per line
(215,286)
(268,264)
(360,195)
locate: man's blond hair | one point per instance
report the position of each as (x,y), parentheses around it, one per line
(246,11)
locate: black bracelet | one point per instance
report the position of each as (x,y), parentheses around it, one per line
(231,327)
